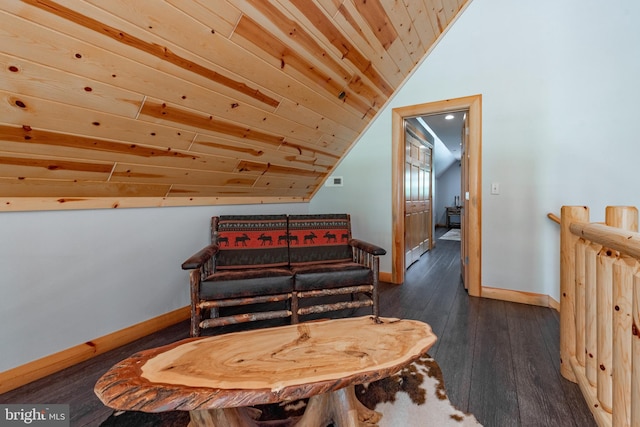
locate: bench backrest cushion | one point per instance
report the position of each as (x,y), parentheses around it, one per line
(250,241)
(317,239)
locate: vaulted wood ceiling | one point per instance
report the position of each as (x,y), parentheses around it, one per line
(188,102)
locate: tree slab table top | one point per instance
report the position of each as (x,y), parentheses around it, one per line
(216,378)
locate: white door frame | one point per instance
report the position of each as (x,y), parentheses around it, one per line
(473,104)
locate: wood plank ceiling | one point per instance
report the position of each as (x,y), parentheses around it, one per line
(189,102)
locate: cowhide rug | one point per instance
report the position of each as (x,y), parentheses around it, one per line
(415,396)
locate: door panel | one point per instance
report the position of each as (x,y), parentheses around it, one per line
(417,199)
(464,191)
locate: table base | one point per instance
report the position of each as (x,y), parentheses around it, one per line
(340,407)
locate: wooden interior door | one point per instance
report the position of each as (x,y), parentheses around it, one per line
(426,153)
(464,202)
(418,229)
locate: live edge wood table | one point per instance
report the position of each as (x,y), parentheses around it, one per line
(218,378)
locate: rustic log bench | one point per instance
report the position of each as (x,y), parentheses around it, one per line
(295,261)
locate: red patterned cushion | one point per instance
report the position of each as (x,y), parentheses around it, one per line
(249,241)
(315,239)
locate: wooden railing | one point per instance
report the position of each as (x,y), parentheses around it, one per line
(600,311)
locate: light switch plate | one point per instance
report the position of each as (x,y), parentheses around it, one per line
(495,188)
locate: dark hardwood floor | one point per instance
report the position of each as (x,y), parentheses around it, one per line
(500,360)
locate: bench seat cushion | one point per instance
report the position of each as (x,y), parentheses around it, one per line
(329,276)
(247,283)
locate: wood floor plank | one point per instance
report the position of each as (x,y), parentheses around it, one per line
(456,348)
(548,325)
(444,283)
(494,399)
(540,396)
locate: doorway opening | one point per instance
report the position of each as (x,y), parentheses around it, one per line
(470,199)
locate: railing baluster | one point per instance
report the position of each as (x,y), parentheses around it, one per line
(581,247)
(626,218)
(569,215)
(604,304)
(623,270)
(591,336)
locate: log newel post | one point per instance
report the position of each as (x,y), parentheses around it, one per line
(569,214)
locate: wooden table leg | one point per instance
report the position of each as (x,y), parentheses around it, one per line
(226,417)
(341,407)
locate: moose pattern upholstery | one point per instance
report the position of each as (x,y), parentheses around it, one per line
(319,239)
(258,259)
(248,241)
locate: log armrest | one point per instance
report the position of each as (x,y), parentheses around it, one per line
(367,247)
(198,259)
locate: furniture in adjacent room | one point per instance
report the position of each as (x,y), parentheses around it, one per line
(281,266)
(219,378)
(453,216)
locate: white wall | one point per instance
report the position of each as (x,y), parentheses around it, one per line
(68,277)
(559,82)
